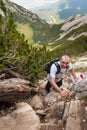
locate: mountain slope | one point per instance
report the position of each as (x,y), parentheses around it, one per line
(74,27)
(23,16)
(56,37)
(42,32)
(39,30)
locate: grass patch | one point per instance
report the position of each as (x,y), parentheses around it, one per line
(82,96)
(26,30)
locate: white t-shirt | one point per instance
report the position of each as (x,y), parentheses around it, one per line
(58,76)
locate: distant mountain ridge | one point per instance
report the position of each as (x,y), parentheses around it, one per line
(18,11)
(62,10)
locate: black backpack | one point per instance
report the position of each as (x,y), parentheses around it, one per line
(48,65)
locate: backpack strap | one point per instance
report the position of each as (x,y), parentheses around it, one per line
(58,67)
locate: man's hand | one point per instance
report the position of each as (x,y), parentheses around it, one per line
(64,93)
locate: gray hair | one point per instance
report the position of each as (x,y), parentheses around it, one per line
(65,57)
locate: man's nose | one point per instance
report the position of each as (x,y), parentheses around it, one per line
(65,65)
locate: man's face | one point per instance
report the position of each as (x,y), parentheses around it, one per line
(64,62)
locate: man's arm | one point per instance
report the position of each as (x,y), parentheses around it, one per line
(72,71)
(54,85)
(57,88)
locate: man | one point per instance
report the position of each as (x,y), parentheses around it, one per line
(55,79)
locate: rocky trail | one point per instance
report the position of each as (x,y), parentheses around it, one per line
(35,110)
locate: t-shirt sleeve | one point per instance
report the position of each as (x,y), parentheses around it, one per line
(53,71)
(70,66)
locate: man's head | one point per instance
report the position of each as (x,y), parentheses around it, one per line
(64,61)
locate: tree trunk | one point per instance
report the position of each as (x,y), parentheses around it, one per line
(15,89)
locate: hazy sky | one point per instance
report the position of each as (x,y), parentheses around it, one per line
(33,3)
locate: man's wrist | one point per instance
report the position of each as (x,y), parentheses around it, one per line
(59,89)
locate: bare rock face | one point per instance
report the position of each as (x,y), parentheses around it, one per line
(24,118)
(51,98)
(80,87)
(36,103)
(81,62)
(75,116)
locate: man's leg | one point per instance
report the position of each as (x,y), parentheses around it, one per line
(47,87)
(59,83)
